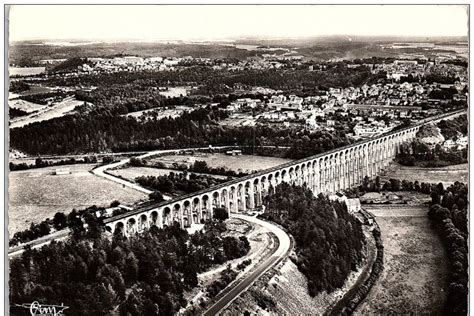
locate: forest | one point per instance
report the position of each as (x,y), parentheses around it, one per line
(377,185)
(420,154)
(41,163)
(448,213)
(14,113)
(329,240)
(201,166)
(178,183)
(215,82)
(105,132)
(142,275)
(452,128)
(75,221)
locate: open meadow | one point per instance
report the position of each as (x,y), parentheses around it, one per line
(26,106)
(37,194)
(25,71)
(57,110)
(246,163)
(447,175)
(415,275)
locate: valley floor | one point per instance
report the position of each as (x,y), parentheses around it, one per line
(415,275)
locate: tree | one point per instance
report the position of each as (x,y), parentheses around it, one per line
(131,269)
(200,166)
(44,228)
(440,188)
(156,196)
(137,162)
(75,224)
(59,221)
(221,213)
(39,162)
(114,203)
(378,186)
(395,184)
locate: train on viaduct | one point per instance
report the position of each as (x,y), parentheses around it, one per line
(327,172)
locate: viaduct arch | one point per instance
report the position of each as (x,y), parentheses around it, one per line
(335,170)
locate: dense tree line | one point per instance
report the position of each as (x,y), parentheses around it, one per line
(356,297)
(377,185)
(41,163)
(328,239)
(450,129)
(448,212)
(69,65)
(456,62)
(45,98)
(442,94)
(103,131)
(18,86)
(438,78)
(225,278)
(313,143)
(74,220)
(178,182)
(201,166)
(141,275)
(198,166)
(141,95)
(420,153)
(14,113)
(214,81)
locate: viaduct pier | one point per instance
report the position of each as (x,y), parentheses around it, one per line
(327,172)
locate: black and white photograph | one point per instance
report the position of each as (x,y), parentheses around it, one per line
(236,159)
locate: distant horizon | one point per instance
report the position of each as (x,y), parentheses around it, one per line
(145,23)
(253,38)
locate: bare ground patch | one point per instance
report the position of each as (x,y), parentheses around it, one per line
(37,194)
(414,279)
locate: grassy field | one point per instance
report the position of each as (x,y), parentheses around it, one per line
(414,280)
(26,106)
(25,71)
(175,92)
(57,110)
(237,163)
(446,175)
(37,194)
(130,173)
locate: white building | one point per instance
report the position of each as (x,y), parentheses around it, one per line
(353,205)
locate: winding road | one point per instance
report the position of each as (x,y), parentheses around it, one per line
(101,171)
(235,288)
(242,285)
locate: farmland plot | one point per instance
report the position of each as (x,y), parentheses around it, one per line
(37,194)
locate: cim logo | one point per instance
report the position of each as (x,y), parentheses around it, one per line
(47,310)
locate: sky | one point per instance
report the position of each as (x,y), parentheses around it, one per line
(194,22)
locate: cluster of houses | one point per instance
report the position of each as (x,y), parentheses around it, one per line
(458,144)
(129,63)
(318,112)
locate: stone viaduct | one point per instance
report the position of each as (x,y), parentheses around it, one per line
(327,172)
